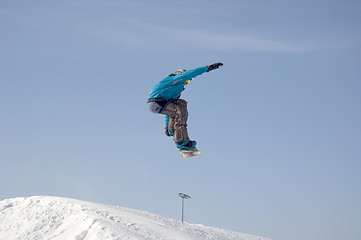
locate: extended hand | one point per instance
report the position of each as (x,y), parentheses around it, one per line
(214,66)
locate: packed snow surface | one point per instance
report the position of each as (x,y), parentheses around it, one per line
(55,218)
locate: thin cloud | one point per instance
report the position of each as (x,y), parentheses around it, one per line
(138,34)
(223,41)
(217,40)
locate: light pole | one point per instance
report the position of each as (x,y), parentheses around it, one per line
(183,196)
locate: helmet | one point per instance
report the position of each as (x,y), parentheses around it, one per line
(180,71)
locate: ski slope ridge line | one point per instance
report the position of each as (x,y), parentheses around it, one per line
(55,218)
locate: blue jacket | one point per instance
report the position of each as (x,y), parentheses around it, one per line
(172,86)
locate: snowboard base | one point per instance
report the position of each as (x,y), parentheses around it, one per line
(190,153)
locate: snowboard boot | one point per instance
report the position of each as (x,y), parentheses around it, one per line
(186,145)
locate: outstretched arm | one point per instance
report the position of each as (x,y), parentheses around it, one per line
(192,73)
(196,72)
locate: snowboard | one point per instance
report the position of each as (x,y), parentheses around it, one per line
(190,153)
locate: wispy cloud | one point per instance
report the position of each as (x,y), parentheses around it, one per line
(214,39)
(222,41)
(135,33)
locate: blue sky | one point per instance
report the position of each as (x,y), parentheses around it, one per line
(278,124)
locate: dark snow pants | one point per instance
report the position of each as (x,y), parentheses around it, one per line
(178,116)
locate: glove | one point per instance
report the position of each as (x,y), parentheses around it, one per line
(169,133)
(214,66)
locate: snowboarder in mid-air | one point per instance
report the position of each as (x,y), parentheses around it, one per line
(165,99)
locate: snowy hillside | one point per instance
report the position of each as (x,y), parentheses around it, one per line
(56,218)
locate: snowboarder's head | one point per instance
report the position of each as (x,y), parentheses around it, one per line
(180,71)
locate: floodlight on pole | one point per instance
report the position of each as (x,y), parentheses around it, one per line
(183,196)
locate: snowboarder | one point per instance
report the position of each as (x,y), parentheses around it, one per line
(165,99)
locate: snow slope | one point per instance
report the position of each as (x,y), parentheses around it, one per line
(57,218)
